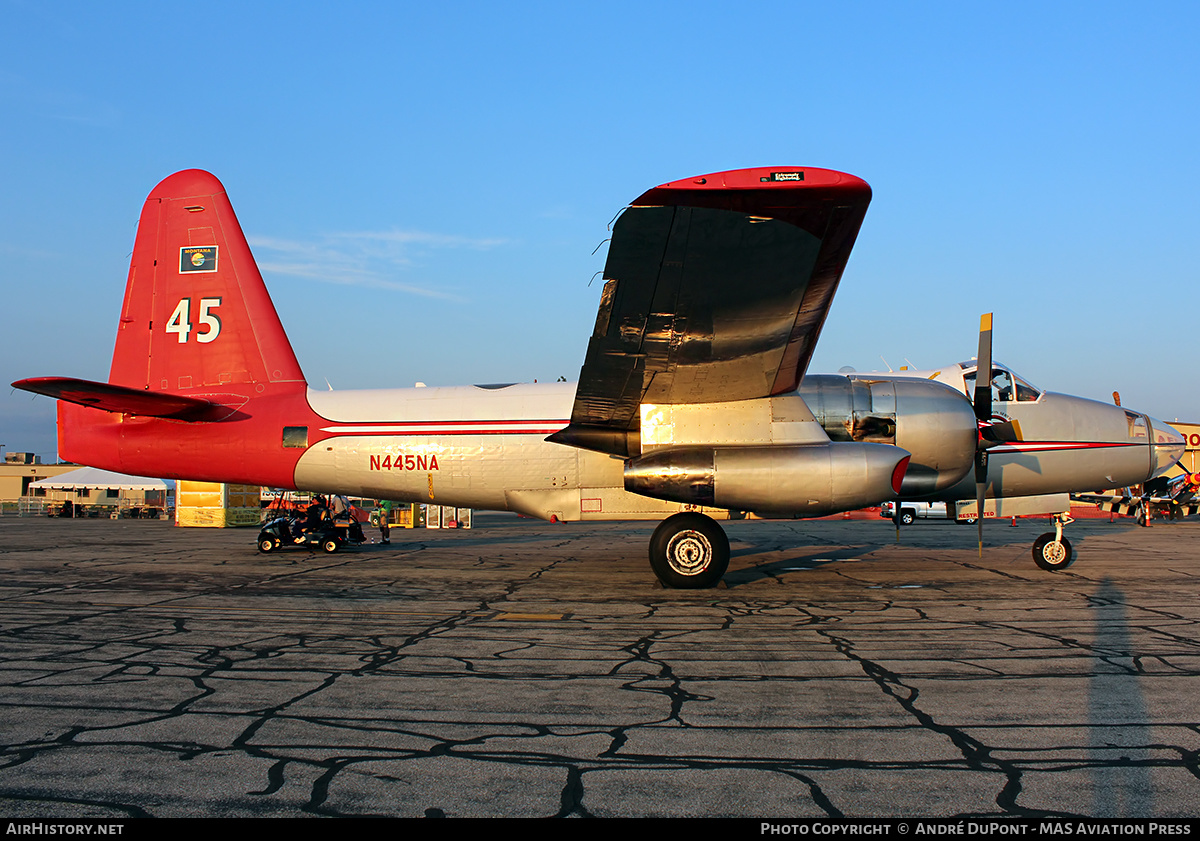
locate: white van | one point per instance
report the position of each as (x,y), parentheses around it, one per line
(910,511)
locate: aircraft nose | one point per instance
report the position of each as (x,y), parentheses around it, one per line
(1168,446)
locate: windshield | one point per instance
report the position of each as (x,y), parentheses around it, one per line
(1007,387)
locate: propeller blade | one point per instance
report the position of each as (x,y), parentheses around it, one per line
(983,414)
(981,460)
(983,370)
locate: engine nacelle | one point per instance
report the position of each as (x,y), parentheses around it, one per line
(805,480)
(931,420)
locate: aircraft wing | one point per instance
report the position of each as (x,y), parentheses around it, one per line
(1117,504)
(716,288)
(1130,506)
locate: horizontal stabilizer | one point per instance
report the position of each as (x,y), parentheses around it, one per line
(120,399)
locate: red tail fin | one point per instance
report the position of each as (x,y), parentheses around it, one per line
(199,339)
(197,317)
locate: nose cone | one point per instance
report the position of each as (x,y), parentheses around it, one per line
(1167,446)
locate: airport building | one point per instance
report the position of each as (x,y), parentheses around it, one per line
(29,487)
(1191,434)
(18,471)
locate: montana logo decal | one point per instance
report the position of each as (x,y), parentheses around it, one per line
(197,258)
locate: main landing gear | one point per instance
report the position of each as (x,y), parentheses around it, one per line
(689,551)
(1052,551)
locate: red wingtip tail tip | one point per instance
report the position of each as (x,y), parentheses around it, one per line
(187,182)
(770,177)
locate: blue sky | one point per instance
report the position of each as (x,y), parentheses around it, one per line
(424,184)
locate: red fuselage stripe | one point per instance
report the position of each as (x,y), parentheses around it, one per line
(432,428)
(1050,446)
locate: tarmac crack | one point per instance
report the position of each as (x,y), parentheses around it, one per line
(808,694)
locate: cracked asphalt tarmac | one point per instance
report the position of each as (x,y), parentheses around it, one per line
(529,669)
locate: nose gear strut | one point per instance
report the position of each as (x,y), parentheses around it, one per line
(1052,551)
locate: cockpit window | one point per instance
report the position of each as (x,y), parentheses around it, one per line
(1002,386)
(1137,424)
(1025,392)
(1007,387)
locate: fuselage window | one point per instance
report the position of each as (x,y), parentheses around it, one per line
(1137,424)
(295,437)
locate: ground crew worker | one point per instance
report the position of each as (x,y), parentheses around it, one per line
(385,516)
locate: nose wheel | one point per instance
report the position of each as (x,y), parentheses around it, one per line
(689,551)
(1052,551)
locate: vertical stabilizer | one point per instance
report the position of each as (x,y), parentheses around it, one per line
(197,317)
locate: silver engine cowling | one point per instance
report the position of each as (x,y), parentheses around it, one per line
(935,423)
(808,480)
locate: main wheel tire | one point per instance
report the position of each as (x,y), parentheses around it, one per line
(266,544)
(908,517)
(689,551)
(1050,554)
(329,545)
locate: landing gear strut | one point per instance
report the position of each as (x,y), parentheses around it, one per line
(1052,551)
(689,551)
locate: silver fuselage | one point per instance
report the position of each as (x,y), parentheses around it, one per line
(485,448)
